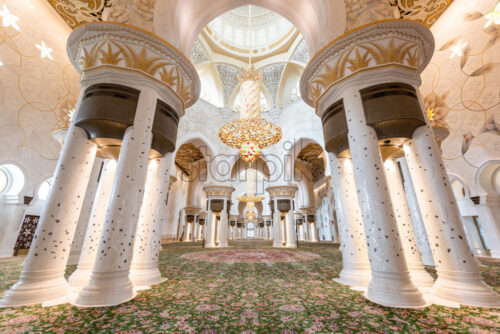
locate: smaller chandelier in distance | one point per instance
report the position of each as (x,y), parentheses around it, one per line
(252,198)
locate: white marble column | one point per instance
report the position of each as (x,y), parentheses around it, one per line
(419,275)
(390,284)
(459,279)
(110,284)
(291,235)
(196,229)
(85,213)
(488,211)
(144,270)
(416,216)
(187,232)
(223,226)
(210,229)
(314,231)
(306,229)
(81,275)
(283,229)
(42,278)
(277,242)
(356,270)
(301,232)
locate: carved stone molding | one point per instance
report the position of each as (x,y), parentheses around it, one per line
(308,210)
(122,47)
(218,191)
(192,210)
(388,43)
(282,192)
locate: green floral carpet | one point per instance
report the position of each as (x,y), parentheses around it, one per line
(270,297)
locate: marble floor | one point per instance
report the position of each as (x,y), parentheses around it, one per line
(247,288)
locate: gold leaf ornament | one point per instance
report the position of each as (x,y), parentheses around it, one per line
(484,69)
(471,16)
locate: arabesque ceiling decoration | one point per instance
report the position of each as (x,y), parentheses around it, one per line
(312,155)
(186,155)
(76,12)
(421,11)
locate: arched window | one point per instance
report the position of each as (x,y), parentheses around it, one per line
(11,179)
(250,230)
(43,189)
(4,180)
(238,36)
(228,32)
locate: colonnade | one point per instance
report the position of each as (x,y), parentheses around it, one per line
(281,205)
(219,205)
(127,114)
(375,126)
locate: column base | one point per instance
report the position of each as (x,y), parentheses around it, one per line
(394,289)
(277,245)
(106,289)
(145,275)
(420,277)
(143,278)
(291,245)
(36,287)
(356,277)
(464,288)
(80,277)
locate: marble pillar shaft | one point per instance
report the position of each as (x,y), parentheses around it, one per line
(144,270)
(390,284)
(413,257)
(416,216)
(277,235)
(81,275)
(459,279)
(356,267)
(85,213)
(291,234)
(42,278)
(110,283)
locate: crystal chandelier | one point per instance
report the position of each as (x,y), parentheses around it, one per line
(251,133)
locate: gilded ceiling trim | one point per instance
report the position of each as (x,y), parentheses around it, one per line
(77,12)
(425,12)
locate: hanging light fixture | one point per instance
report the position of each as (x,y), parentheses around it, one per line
(251,133)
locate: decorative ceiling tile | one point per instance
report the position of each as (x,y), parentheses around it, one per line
(229,77)
(301,54)
(76,12)
(271,77)
(425,12)
(186,155)
(311,154)
(198,54)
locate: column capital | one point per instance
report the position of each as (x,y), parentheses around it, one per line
(282,192)
(308,210)
(395,43)
(123,48)
(218,191)
(192,210)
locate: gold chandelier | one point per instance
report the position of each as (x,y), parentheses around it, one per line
(251,133)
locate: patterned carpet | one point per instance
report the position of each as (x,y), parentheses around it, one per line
(262,295)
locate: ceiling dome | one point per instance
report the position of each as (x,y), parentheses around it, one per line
(270,31)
